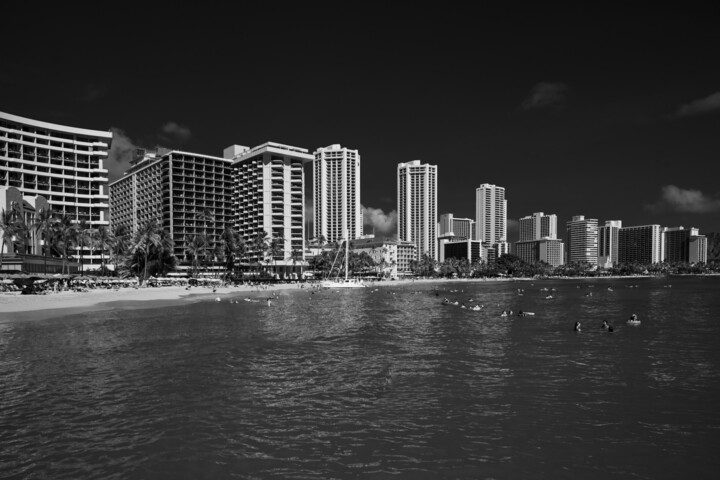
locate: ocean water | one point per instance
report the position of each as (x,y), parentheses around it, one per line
(375,383)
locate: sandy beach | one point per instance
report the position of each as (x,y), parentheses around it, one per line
(15,306)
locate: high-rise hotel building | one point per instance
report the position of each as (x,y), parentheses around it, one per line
(61,163)
(417,206)
(538,240)
(608,243)
(188,194)
(457,228)
(684,245)
(490,214)
(269,192)
(537,226)
(641,244)
(582,240)
(336,193)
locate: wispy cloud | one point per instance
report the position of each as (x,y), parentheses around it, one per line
(708,104)
(546,95)
(675,199)
(122,151)
(175,133)
(375,220)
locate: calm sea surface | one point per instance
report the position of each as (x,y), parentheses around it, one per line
(373,383)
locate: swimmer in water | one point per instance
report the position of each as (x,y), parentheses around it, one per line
(577,326)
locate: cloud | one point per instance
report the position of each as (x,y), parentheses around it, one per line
(378,222)
(545,95)
(704,105)
(122,151)
(675,199)
(175,133)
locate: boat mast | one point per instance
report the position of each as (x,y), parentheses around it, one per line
(347,252)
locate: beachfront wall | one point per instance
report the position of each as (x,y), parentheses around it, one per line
(17,263)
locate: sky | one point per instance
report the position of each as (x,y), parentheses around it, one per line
(610,114)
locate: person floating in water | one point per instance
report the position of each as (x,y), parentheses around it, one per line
(577,326)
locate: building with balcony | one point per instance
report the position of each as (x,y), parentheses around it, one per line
(417,206)
(582,240)
(336,193)
(188,194)
(393,258)
(640,244)
(537,226)
(683,245)
(63,164)
(268,202)
(608,243)
(457,228)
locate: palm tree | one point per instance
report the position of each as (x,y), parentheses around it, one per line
(82,238)
(8,230)
(65,235)
(259,244)
(103,240)
(147,236)
(277,247)
(296,255)
(118,242)
(231,241)
(206,215)
(44,219)
(195,247)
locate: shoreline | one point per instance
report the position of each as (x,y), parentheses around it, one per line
(15,307)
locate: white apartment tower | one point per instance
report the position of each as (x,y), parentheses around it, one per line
(417,206)
(270,186)
(336,193)
(582,240)
(538,226)
(491,217)
(608,243)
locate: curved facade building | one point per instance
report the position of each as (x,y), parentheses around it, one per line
(61,163)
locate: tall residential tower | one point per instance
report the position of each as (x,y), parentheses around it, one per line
(336,193)
(417,206)
(582,240)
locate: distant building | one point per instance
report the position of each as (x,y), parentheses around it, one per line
(537,226)
(457,228)
(698,249)
(538,240)
(548,250)
(393,257)
(582,240)
(417,206)
(684,245)
(336,193)
(63,164)
(640,244)
(490,214)
(471,250)
(608,243)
